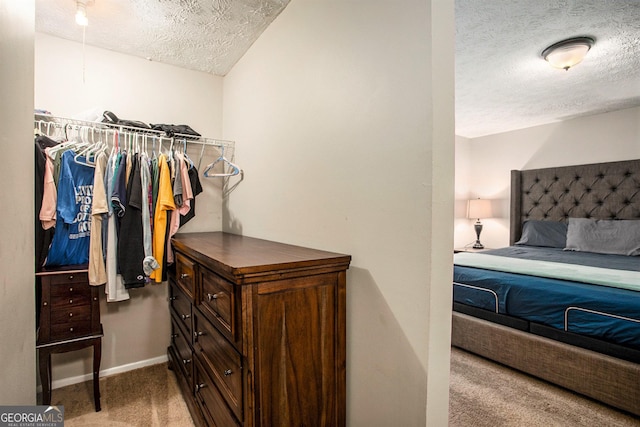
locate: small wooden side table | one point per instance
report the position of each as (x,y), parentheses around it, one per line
(69,320)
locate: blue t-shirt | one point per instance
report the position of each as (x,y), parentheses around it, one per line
(70,243)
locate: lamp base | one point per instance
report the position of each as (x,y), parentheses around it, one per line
(478,227)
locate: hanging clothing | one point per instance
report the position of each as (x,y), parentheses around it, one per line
(182,195)
(47,214)
(43,236)
(163,204)
(149,263)
(70,243)
(115,288)
(99,212)
(130,243)
(196,189)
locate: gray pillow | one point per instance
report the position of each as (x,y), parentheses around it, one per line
(552,234)
(618,237)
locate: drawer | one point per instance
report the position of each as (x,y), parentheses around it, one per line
(182,349)
(70,330)
(185,275)
(68,278)
(72,313)
(210,402)
(75,299)
(221,360)
(218,302)
(181,306)
(70,290)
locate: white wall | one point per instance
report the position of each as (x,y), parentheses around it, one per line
(333,112)
(138,329)
(17,291)
(599,138)
(463,182)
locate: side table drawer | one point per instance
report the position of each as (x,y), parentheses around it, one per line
(69,330)
(68,278)
(73,313)
(75,299)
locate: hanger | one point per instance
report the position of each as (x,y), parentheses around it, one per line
(88,155)
(200,158)
(235,170)
(69,144)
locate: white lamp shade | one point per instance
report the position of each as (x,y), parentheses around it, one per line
(479,208)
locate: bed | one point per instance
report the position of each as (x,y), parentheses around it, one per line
(570,317)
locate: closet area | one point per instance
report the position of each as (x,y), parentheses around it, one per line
(133,268)
(109,197)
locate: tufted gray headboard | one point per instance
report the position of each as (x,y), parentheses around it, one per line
(600,190)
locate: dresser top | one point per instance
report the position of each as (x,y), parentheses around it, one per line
(239,256)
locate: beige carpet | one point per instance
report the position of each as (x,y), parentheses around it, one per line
(483,393)
(142,398)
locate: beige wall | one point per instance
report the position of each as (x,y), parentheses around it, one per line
(136,331)
(347,144)
(489,160)
(334,111)
(17,295)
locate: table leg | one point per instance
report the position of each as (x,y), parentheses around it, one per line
(97,354)
(45,375)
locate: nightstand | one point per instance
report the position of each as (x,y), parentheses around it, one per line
(469,249)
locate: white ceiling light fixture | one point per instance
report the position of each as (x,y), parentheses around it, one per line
(81,12)
(567,53)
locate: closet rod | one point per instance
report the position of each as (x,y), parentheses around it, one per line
(44,121)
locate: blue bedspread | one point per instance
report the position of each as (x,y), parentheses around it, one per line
(545,300)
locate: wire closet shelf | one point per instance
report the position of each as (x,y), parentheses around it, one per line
(118,135)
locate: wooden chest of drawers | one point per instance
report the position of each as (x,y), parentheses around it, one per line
(258,331)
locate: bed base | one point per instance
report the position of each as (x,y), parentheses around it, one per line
(610,380)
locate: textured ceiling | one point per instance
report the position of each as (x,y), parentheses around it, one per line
(204,35)
(502,83)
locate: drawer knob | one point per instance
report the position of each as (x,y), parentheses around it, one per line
(70,301)
(70,276)
(211,297)
(70,289)
(200,387)
(70,314)
(45,303)
(197,334)
(70,329)
(186,361)
(185,316)
(173,298)
(184,275)
(227,372)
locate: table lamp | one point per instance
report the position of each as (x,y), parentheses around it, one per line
(478,208)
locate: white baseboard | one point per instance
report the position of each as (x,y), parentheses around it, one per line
(110,371)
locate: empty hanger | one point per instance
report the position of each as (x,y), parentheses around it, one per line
(235,170)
